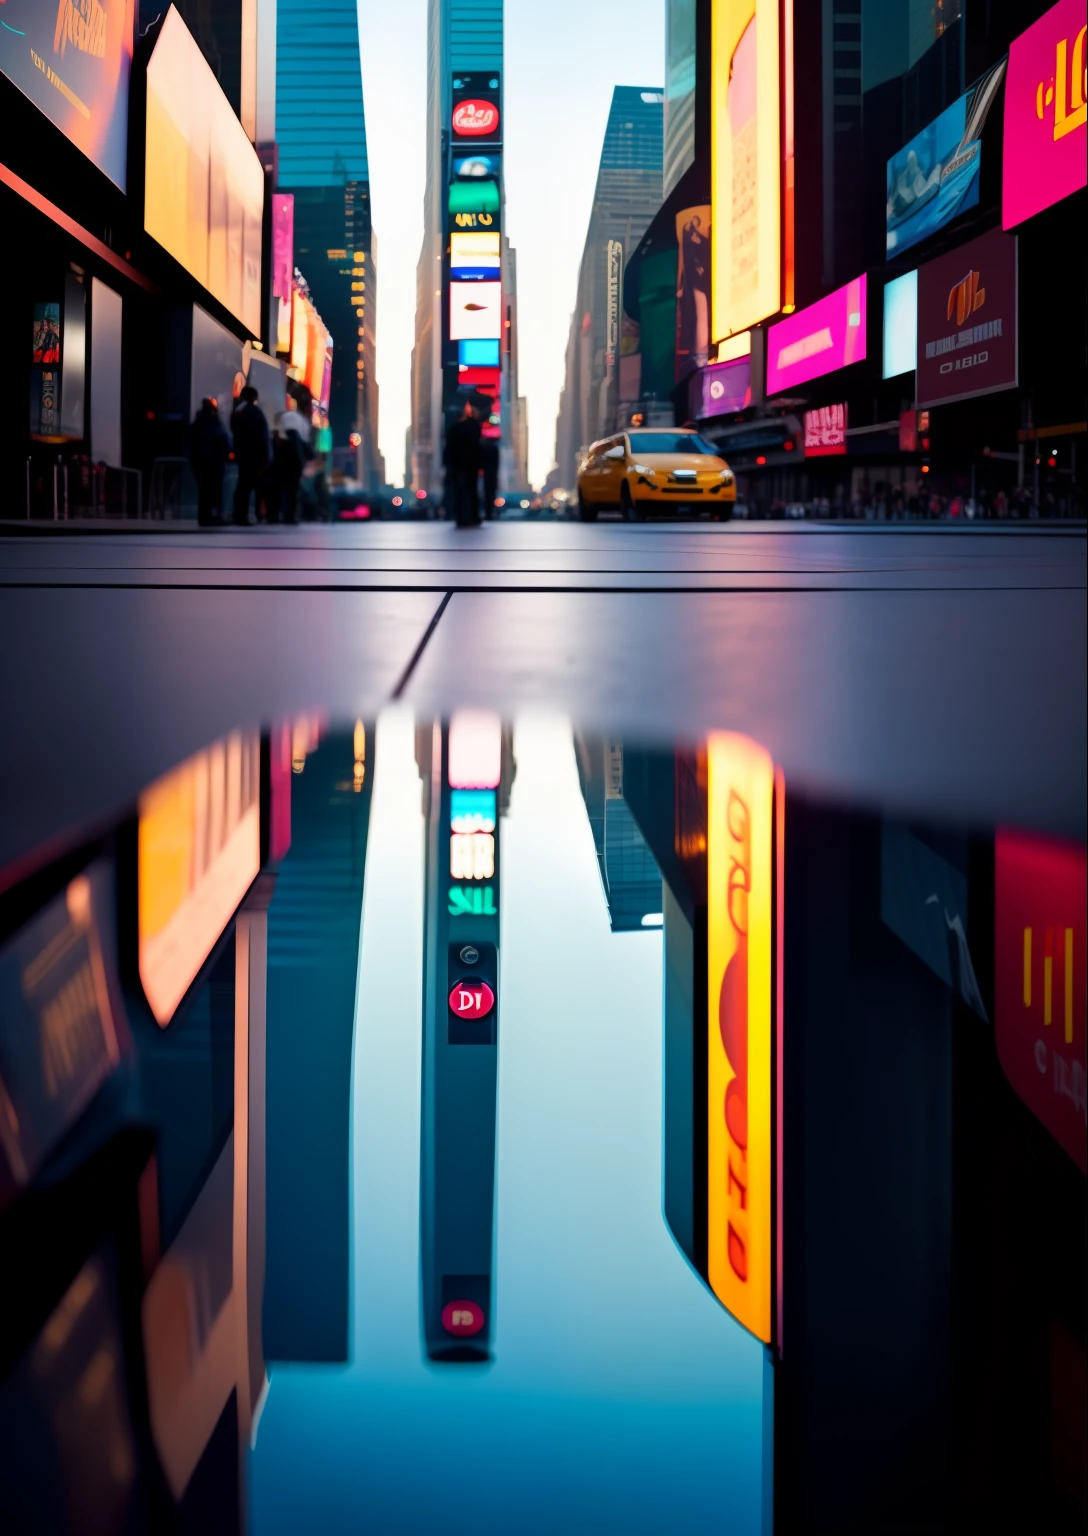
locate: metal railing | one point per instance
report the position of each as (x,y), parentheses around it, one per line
(76,488)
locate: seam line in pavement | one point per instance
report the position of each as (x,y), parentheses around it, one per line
(520,587)
(414,659)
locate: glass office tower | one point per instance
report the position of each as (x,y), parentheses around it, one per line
(321,138)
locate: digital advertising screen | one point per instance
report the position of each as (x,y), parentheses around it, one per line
(723,388)
(474,114)
(74,62)
(474,255)
(205,201)
(475,311)
(936,176)
(1046,116)
(967,330)
(827,335)
(199,850)
(825,431)
(745,179)
(900,324)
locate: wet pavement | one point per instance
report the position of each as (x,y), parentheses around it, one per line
(557,1027)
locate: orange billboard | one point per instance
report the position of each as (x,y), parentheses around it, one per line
(199,851)
(740,913)
(204,193)
(745,165)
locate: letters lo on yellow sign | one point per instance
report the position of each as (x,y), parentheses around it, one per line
(740,796)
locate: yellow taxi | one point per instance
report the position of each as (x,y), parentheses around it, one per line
(653,470)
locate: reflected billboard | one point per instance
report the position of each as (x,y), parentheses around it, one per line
(967,334)
(740,914)
(829,334)
(73,61)
(474,112)
(745,155)
(205,201)
(198,852)
(1046,115)
(935,176)
(475,311)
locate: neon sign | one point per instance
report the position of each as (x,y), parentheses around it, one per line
(475,119)
(472,856)
(472,901)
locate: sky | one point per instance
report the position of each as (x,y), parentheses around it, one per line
(561,64)
(621,1396)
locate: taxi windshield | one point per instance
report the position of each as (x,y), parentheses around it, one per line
(670,442)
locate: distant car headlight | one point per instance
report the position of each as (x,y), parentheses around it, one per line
(642,469)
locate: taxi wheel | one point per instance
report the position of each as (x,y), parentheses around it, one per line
(586,513)
(628,506)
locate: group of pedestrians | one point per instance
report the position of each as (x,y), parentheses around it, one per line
(469,455)
(270,466)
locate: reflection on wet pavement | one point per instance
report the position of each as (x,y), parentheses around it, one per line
(412,1123)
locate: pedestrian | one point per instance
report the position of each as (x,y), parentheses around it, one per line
(292,453)
(462,462)
(489,462)
(252,450)
(209,450)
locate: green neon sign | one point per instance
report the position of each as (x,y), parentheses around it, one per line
(472,901)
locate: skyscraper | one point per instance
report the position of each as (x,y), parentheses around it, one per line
(321,137)
(627,196)
(464,339)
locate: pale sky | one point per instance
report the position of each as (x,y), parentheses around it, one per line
(561,64)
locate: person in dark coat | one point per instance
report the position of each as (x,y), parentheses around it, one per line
(209,450)
(462,461)
(252,450)
(489,462)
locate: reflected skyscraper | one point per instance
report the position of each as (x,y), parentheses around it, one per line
(629,873)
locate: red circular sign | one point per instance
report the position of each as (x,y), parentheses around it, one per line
(474,119)
(462,1318)
(472,999)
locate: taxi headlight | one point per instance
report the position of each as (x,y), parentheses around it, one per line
(641,469)
(726,476)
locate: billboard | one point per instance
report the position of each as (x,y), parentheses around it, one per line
(283,243)
(198,852)
(475,311)
(205,201)
(1039,991)
(936,175)
(73,60)
(740,914)
(825,431)
(900,324)
(474,111)
(967,342)
(745,152)
(692,289)
(474,255)
(827,335)
(1046,137)
(723,388)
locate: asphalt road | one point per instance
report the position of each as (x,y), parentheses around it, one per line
(938,671)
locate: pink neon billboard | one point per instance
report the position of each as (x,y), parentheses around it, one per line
(827,335)
(1046,117)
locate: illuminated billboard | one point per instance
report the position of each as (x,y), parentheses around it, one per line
(825,431)
(967,342)
(900,324)
(722,388)
(204,201)
(1046,115)
(936,175)
(740,914)
(73,60)
(475,311)
(827,335)
(474,255)
(199,851)
(1039,976)
(745,178)
(311,348)
(474,112)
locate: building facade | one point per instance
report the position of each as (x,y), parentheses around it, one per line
(627,196)
(322,162)
(466,285)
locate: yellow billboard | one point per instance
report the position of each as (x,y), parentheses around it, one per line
(740,913)
(745,165)
(199,851)
(204,184)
